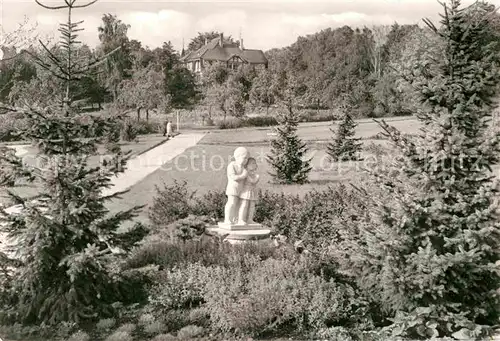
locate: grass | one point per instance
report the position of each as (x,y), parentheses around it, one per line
(310,132)
(204,166)
(143,144)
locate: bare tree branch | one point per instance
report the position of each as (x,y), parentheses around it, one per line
(49,7)
(86,5)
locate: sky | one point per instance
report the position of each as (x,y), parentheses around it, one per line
(262,24)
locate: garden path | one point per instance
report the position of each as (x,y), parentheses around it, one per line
(138,167)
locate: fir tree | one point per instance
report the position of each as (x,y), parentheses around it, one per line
(287,157)
(429,246)
(344,145)
(66,243)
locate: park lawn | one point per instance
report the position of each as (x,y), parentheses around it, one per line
(313,131)
(143,144)
(203,167)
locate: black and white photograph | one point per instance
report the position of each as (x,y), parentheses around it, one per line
(282,170)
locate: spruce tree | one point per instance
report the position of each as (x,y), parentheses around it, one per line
(344,147)
(428,247)
(67,244)
(287,156)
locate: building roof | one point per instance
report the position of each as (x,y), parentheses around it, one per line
(214,52)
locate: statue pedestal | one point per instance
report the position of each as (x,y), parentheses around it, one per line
(240,233)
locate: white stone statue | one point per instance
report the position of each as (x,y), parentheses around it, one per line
(236,176)
(248,194)
(238,225)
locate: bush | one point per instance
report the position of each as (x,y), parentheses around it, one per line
(191,332)
(277,296)
(128,131)
(176,201)
(313,218)
(208,251)
(230,123)
(255,121)
(164,337)
(171,203)
(143,127)
(79,336)
(261,121)
(376,149)
(155,328)
(127,327)
(119,336)
(210,204)
(180,288)
(314,116)
(190,227)
(10,126)
(105,324)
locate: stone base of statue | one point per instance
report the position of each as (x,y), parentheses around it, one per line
(236,233)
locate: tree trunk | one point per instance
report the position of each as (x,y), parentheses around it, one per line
(147,115)
(138,114)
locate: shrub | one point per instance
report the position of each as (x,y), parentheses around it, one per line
(207,251)
(171,203)
(164,337)
(175,319)
(105,324)
(190,227)
(199,316)
(127,327)
(314,116)
(315,218)
(79,336)
(191,332)
(376,149)
(254,121)
(181,287)
(210,204)
(119,336)
(276,296)
(10,126)
(143,127)
(270,204)
(155,328)
(128,131)
(146,319)
(231,123)
(261,121)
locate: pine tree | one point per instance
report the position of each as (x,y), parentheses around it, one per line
(287,157)
(429,246)
(344,147)
(66,243)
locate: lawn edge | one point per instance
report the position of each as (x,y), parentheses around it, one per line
(131,156)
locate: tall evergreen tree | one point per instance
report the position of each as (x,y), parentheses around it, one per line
(66,243)
(429,248)
(288,151)
(344,145)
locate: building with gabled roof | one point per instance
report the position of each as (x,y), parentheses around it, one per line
(218,51)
